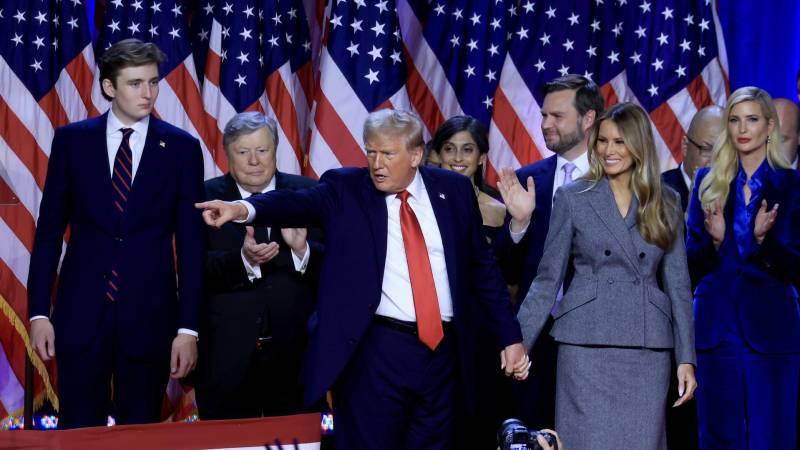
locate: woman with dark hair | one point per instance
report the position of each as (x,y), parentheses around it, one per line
(629,301)
(743,248)
(461,144)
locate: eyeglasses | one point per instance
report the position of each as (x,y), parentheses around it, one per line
(706,150)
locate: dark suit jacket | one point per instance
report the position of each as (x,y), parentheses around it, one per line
(674,179)
(77,194)
(354,218)
(237,311)
(520,261)
(758,293)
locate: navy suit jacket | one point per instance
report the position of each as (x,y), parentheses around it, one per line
(354,218)
(758,293)
(674,179)
(77,193)
(520,261)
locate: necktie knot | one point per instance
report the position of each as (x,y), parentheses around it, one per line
(126,132)
(403,196)
(568,169)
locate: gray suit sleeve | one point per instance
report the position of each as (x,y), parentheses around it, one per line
(674,273)
(542,294)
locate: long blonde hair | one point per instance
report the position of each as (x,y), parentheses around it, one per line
(657,216)
(725,158)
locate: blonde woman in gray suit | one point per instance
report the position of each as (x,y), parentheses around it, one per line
(622,233)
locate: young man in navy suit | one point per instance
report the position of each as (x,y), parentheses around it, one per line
(407,277)
(571,105)
(125,183)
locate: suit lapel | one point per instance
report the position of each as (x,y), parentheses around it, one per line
(151,168)
(605,206)
(374,206)
(544,193)
(442,211)
(99,172)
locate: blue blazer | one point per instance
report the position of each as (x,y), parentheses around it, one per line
(758,293)
(77,193)
(354,218)
(520,261)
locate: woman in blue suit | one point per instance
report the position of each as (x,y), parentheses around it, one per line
(743,247)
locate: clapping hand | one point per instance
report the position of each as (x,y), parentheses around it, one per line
(255,253)
(765,219)
(520,202)
(715,222)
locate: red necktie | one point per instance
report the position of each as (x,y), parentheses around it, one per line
(426,303)
(121,181)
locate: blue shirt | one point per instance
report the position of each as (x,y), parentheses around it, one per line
(744,214)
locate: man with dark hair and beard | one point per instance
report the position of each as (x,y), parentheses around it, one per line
(570,106)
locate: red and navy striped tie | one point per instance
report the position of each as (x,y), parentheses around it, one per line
(121,181)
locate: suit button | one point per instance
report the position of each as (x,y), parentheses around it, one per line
(608,252)
(641,255)
(118,239)
(636,282)
(258,321)
(610,281)
(351,341)
(370,306)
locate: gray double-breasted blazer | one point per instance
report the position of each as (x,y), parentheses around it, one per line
(614,298)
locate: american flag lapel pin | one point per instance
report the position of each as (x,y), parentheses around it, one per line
(442,196)
(162,144)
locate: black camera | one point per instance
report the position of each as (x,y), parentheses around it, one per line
(514,435)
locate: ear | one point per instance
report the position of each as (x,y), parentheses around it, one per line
(588,120)
(416,156)
(770,125)
(684,143)
(482,159)
(108,87)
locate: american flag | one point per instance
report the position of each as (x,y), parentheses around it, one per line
(164,22)
(46,77)
(259,59)
(362,68)
(668,56)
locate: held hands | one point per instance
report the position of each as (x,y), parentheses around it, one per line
(765,219)
(686,384)
(43,338)
(519,201)
(217,213)
(715,223)
(255,253)
(184,356)
(514,361)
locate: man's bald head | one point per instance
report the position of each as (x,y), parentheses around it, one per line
(789,121)
(698,142)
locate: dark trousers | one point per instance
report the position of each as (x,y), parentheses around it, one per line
(103,381)
(397,394)
(270,387)
(746,400)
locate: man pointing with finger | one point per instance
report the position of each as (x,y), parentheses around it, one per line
(260,285)
(407,278)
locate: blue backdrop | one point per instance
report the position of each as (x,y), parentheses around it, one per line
(762,39)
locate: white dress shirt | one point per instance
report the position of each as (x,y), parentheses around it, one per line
(397,299)
(581,169)
(136,141)
(254,272)
(686,178)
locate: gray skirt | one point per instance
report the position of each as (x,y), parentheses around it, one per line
(611,397)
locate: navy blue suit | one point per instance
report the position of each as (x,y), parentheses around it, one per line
(674,179)
(535,397)
(353,215)
(93,333)
(747,322)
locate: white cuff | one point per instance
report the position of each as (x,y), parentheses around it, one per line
(37,318)
(253,272)
(301,265)
(517,236)
(251,212)
(188,331)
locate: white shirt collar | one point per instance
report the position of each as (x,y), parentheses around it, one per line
(113,124)
(686,178)
(581,164)
(245,193)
